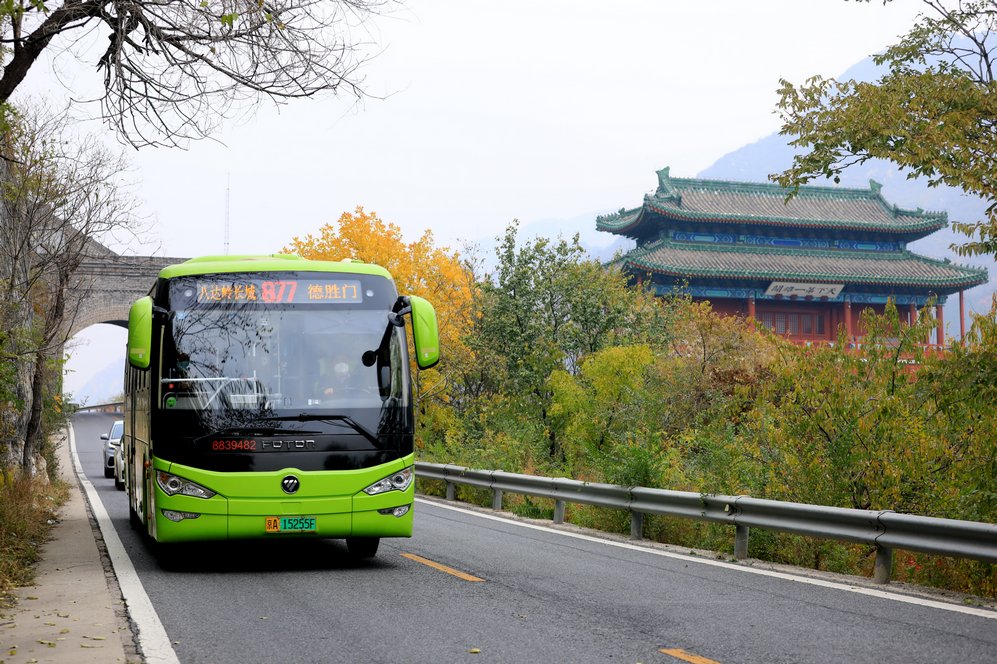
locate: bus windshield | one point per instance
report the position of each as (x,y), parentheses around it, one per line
(280,358)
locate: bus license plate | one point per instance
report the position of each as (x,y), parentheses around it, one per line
(286,524)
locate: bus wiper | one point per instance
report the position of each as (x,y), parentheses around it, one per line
(334,420)
(260,431)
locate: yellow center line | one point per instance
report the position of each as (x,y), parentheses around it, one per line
(443,568)
(688,656)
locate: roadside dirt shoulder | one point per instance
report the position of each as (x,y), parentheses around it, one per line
(73,614)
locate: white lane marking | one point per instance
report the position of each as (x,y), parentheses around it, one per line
(958,608)
(152,637)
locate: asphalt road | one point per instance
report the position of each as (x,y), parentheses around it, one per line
(544,597)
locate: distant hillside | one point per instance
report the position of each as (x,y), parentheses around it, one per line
(600,246)
(108,382)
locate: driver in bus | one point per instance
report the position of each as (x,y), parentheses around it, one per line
(183,365)
(182,371)
(342,378)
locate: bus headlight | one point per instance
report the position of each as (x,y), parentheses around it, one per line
(394,482)
(173,485)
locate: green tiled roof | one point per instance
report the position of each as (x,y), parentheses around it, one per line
(722,202)
(901,268)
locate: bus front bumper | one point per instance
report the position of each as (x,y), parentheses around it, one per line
(182,518)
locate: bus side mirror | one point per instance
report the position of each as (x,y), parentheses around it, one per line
(425,333)
(140,333)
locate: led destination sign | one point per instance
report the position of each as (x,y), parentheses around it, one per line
(297,291)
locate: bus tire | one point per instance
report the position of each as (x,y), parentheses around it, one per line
(363,547)
(133,519)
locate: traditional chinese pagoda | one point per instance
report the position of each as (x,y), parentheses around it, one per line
(796,268)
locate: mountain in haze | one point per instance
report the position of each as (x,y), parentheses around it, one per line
(107,383)
(599,245)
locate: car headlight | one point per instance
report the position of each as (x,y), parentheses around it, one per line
(173,485)
(399,481)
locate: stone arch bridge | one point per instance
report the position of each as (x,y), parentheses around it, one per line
(112,283)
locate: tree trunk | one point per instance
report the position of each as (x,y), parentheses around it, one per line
(14,417)
(34,433)
(34,437)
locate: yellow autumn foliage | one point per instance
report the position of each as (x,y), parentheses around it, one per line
(418,268)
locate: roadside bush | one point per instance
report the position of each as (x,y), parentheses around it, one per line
(671,394)
(26,507)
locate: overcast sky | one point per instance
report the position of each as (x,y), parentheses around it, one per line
(485,112)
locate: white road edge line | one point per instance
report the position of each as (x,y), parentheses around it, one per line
(957,608)
(152,637)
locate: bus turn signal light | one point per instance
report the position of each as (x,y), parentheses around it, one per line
(173,515)
(395,511)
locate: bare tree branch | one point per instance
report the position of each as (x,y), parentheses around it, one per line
(173,68)
(61,193)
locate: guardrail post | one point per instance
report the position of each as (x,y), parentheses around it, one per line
(884,564)
(558,511)
(741,542)
(450,490)
(636,525)
(497,499)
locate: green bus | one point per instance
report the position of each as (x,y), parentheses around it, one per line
(270,397)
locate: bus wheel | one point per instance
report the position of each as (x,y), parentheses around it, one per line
(363,547)
(133,519)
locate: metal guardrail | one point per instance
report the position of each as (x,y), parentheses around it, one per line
(115,406)
(884,529)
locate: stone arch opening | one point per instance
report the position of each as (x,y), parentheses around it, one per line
(114,282)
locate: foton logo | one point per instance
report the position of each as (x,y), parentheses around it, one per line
(285,445)
(290,484)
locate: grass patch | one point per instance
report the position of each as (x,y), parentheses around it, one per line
(530,508)
(26,507)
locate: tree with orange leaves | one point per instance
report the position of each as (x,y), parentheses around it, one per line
(419,268)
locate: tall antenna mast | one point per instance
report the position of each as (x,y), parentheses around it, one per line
(227,180)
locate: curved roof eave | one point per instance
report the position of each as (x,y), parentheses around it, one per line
(831,224)
(642,260)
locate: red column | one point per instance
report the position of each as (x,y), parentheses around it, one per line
(941,326)
(912,315)
(751,311)
(848,319)
(962,318)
